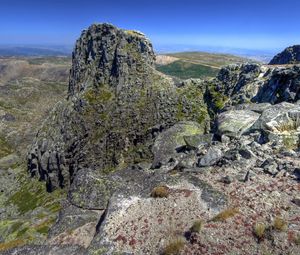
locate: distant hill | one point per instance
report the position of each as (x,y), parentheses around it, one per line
(186,65)
(18,51)
(290,55)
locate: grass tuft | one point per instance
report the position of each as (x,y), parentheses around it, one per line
(259,230)
(197,226)
(226,214)
(174,247)
(279,224)
(11,244)
(160,192)
(297,239)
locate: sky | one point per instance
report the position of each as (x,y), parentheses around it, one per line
(244,24)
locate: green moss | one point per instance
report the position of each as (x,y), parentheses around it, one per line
(22,232)
(218,99)
(191,106)
(101,95)
(5,148)
(15,226)
(44,227)
(32,194)
(28,200)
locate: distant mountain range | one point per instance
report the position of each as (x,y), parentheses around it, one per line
(66,50)
(34,51)
(259,55)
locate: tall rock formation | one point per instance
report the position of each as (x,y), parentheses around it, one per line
(117,103)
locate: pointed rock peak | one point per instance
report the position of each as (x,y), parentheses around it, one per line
(107,55)
(290,55)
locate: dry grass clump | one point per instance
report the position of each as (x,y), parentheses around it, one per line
(224,215)
(174,247)
(279,224)
(160,192)
(197,226)
(11,244)
(297,239)
(289,126)
(259,230)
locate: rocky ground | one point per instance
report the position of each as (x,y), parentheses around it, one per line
(153,165)
(30,87)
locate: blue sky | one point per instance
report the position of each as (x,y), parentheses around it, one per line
(250,24)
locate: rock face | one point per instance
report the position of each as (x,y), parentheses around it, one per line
(117,103)
(290,55)
(143,157)
(246,83)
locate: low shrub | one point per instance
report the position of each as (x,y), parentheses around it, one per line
(160,192)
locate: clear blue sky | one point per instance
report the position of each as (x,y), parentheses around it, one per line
(252,24)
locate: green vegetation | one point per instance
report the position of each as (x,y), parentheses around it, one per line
(218,99)
(191,97)
(36,210)
(5,148)
(102,95)
(209,59)
(197,226)
(32,194)
(186,70)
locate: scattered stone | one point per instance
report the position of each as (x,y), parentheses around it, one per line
(211,157)
(168,143)
(227,179)
(196,141)
(270,166)
(296,201)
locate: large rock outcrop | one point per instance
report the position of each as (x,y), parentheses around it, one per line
(290,55)
(117,104)
(253,83)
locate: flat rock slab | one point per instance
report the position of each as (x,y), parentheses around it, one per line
(235,123)
(74,226)
(143,225)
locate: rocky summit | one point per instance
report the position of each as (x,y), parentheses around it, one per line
(156,165)
(291,55)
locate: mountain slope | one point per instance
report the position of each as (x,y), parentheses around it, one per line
(186,65)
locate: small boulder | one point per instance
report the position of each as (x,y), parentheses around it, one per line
(169,143)
(236,123)
(196,141)
(212,156)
